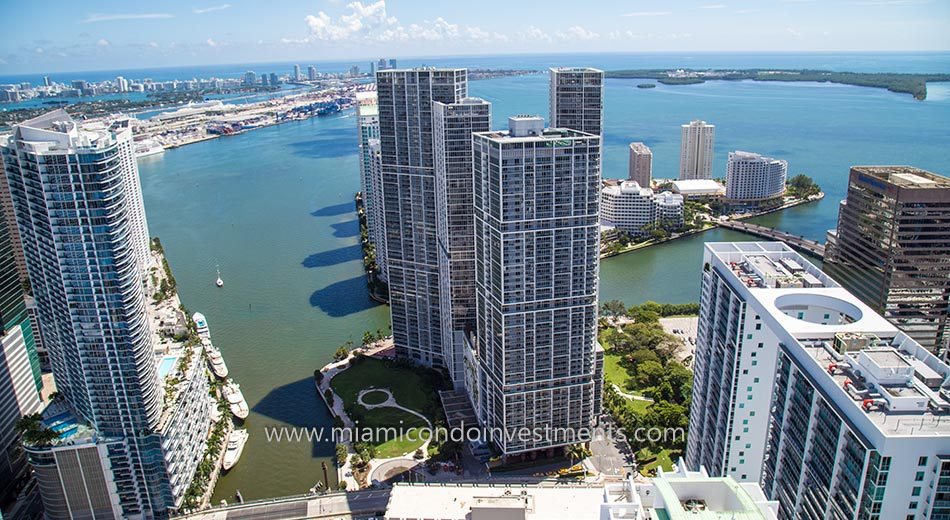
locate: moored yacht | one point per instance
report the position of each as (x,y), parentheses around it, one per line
(216,361)
(232,454)
(232,392)
(202,324)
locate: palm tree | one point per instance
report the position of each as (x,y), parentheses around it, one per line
(576,452)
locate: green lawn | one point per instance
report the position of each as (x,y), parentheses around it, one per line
(664,459)
(409,389)
(407,386)
(615,373)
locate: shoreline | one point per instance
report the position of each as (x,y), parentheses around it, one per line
(714,225)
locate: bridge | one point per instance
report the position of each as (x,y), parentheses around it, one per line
(803,244)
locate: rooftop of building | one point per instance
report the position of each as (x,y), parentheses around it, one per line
(57,132)
(905,176)
(676,495)
(753,156)
(627,188)
(694,495)
(459,501)
(524,128)
(864,360)
(575,69)
(640,147)
(693,186)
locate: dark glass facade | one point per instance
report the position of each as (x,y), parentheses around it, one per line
(892,248)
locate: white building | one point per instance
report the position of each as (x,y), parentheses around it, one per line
(641,164)
(668,208)
(801,387)
(79,210)
(367,121)
(752,177)
(629,207)
(696,150)
(676,495)
(699,188)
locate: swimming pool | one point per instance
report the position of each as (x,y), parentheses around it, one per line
(166,365)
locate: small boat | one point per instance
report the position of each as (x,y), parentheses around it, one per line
(232,454)
(216,360)
(232,392)
(202,324)
(219,282)
(237,495)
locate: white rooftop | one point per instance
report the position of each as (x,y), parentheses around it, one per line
(698,186)
(486,501)
(874,372)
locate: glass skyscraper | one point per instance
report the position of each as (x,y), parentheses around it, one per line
(892,246)
(409,200)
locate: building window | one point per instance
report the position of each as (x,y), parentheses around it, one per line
(913,505)
(922,461)
(919,477)
(915,492)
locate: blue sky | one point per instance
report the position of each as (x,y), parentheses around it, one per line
(58,35)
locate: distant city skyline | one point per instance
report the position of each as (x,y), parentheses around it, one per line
(107,34)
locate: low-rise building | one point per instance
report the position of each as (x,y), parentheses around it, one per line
(631,208)
(675,495)
(699,189)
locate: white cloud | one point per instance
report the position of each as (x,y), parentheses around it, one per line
(211,43)
(3,61)
(747,11)
(535,34)
(648,13)
(577,32)
(39,50)
(793,31)
(363,21)
(623,35)
(153,45)
(102,42)
(713,6)
(100,17)
(203,10)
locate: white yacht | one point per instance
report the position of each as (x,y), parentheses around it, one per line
(216,360)
(232,392)
(218,281)
(232,454)
(203,331)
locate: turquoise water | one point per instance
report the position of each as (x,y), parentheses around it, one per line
(274,209)
(165,367)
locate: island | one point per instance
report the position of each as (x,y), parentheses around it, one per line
(913,84)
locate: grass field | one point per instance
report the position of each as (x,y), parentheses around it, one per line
(664,459)
(409,389)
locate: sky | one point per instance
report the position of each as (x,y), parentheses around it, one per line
(66,35)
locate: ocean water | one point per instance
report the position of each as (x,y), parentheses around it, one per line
(840,61)
(274,208)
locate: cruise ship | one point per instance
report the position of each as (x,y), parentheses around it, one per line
(147,147)
(232,392)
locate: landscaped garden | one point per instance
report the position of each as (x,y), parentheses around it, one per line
(647,387)
(411,387)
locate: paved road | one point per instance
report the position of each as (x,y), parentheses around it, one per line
(361,504)
(610,456)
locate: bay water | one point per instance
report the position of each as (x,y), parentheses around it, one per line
(273,209)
